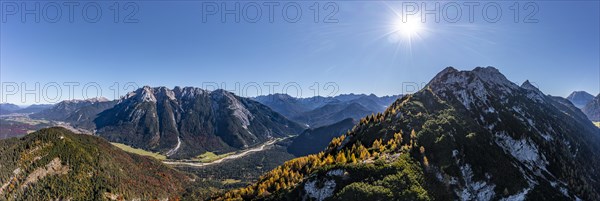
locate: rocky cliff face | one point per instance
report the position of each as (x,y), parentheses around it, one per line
(580,98)
(592,109)
(186,122)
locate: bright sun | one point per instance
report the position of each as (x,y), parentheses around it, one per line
(408,28)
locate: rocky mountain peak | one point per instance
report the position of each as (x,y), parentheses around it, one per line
(477,133)
(152,94)
(488,75)
(533,92)
(97,99)
(592,109)
(144,94)
(580,94)
(186,122)
(147,95)
(188,92)
(580,98)
(219,94)
(471,86)
(448,69)
(492,75)
(487,70)
(527,85)
(445,77)
(164,92)
(90,100)
(282,96)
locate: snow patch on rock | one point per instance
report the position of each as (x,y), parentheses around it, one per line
(336,172)
(474,92)
(147,95)
(170,94)
(191,92)
(524,150)
(313,191)
(517,197)
(547,136)
(492,76)
(474,190)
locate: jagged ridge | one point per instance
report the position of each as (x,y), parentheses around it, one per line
(186,122)
(476,135)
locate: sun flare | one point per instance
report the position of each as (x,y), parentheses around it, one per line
(408,28)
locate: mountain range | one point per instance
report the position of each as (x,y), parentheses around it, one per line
(589,104)
(314,140)
(186,122)
(321,111)
(8,108)
(592,109)
(80,113)
(159,119)
(580,98)
(468,135)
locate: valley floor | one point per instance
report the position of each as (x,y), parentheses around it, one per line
(235,172)
(19,125)
(228,157)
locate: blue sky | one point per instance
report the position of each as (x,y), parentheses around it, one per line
(172,45)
